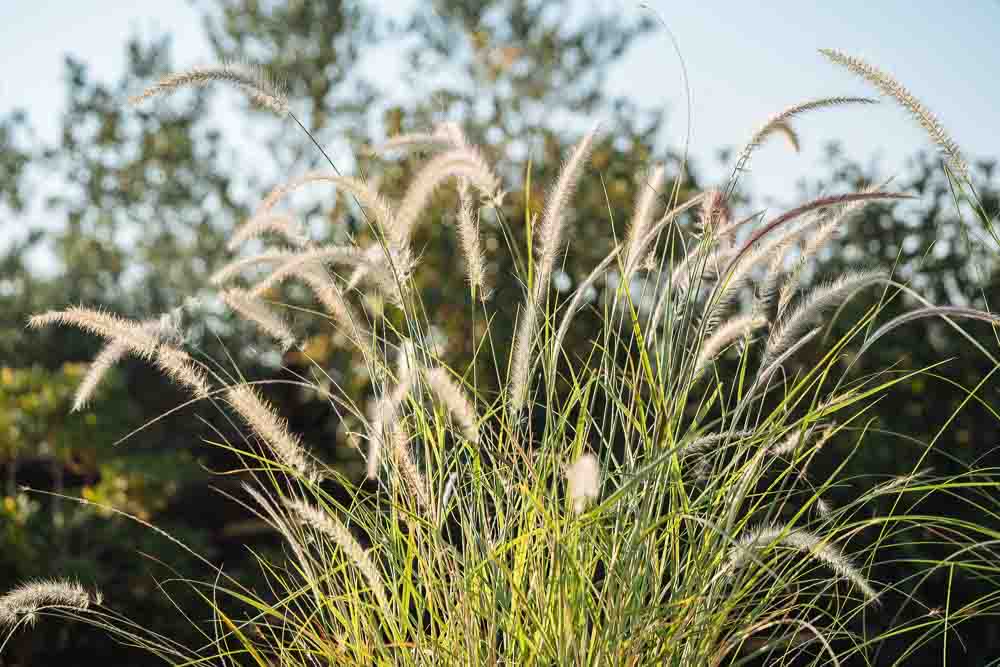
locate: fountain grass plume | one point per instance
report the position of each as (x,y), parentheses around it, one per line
(367,197)
(893,88)
(234,268)
(583,482)
(269,223)
(412,478)
(735,328)
(332,527)
(293,264)
(252,308)
(815,204)
(464,163)
(136,337)
(261,417)
(25,601)
(260,87)
(816,241)
(108,357)
(454,400)
(413,141)
(812,307)
(781,121)
(385,414)
(549,239)
(944,312)
(642,217)
(336,306)
(757,541)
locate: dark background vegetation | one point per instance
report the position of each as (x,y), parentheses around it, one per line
(145,200)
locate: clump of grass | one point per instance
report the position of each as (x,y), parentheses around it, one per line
(648,518)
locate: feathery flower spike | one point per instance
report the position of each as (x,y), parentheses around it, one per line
(260,416)
(893,88)
(332,527)
(26,600)
(549,233)
(248,306)
(259,86)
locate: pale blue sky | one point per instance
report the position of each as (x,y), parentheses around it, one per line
(745,61)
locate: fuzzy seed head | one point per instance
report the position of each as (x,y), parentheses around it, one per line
(259,86)
(583,480)
(25,601)
(261,417)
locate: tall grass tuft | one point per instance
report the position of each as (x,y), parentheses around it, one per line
(657,506)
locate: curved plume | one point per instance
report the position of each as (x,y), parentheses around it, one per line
(549,235)
(642,217)
(329,525)
(734,329)
(175,363)
(454,400)
(25,601)
(889,86)
(764,538)
(813,205)
(260,416)
(780,122)
(257,226)
(366,195)
(262,89)
(237,266)
(110,355)
(251,308)
(930,311)
(813,305)
(464,163)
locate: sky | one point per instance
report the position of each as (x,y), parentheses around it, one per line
(745,61)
